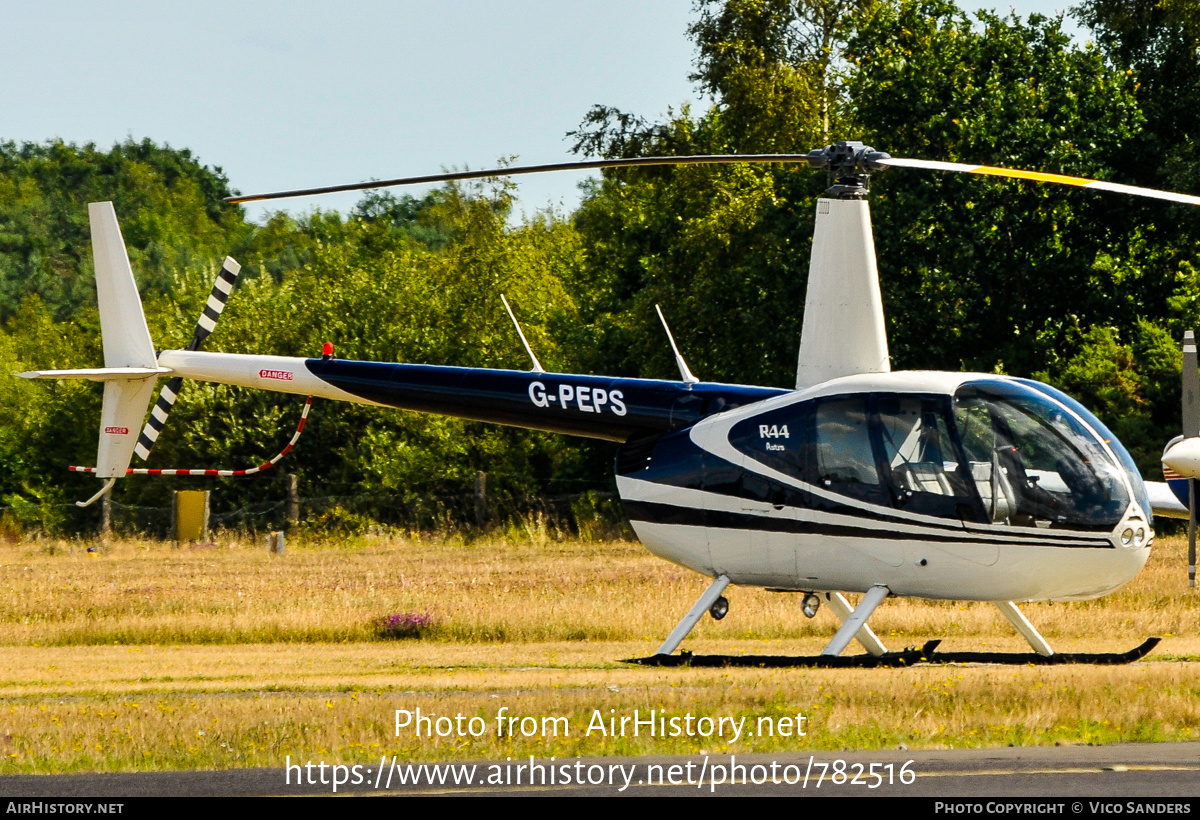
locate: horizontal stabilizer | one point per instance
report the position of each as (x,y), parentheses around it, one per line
(97,374)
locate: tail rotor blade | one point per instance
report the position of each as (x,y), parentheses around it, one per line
(216,302)
(1191,387)
(1191,427)
(158,418)
(204,326)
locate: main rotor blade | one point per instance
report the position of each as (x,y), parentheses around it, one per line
(514,170)
(1039,176)
(873,162)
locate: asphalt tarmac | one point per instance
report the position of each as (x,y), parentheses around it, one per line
(1155,773)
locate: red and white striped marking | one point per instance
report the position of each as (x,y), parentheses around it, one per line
(248,471)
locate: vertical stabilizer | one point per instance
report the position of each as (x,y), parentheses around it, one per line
(126,344)
(843,330)
(126,337)
(125,402)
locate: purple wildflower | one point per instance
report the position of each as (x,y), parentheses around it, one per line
(404,625)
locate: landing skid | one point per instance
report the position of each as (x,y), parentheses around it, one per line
(908,657)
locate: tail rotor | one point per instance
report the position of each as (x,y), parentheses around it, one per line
(204,326)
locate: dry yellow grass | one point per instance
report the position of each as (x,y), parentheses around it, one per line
(55,593)
(262,657)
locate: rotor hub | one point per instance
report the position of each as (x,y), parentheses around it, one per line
(849,165)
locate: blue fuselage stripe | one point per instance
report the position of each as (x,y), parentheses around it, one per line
(600,407)
(727,520)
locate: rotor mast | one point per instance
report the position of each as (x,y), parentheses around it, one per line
(843,332)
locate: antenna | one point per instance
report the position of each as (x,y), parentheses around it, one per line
(686,374)
(537,366)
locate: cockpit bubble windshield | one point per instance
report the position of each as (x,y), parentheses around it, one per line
(1033,463)
(1131,468)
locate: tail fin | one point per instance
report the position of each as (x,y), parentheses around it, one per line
(126,337)
(126,343)
(130,365)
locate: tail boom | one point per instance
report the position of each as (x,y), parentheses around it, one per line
(600,407)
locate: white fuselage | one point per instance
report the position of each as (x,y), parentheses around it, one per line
(916,567)
(796,548)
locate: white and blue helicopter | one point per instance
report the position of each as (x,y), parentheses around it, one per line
(939,485)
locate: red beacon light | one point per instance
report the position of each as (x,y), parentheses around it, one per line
(327,351)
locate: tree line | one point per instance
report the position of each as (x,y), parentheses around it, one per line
(1089,292)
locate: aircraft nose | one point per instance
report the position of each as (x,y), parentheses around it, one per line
(1184,457)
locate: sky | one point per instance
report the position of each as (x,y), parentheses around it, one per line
(296,94)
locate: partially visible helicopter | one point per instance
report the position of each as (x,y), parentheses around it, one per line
(1181,456)
(959,486)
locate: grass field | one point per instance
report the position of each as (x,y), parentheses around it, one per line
(143,655)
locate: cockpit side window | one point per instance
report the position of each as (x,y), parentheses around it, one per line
(845,461)
(926,471)
(823,442)
(996,452)
(886,449)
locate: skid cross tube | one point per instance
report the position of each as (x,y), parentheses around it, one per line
(857,620)
(1017,618)
(694,615)
(842,609)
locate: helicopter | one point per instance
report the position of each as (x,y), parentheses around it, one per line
(860,480)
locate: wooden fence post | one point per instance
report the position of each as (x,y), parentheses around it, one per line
(106,517)
(293,502)
(480,498)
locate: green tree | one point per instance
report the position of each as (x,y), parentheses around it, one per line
(781,52)
(171,210)
(47,425)
(725,249)
(1133,386)
(1158,43)
(980,273)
